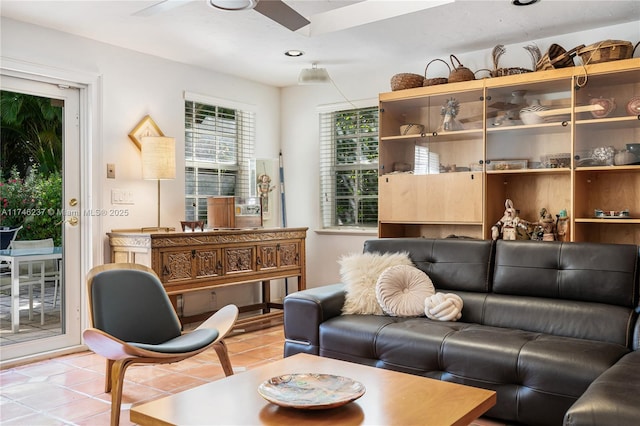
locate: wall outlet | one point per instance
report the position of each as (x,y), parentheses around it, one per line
(214,301)
(111,171)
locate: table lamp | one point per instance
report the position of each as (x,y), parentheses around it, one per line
(158,160)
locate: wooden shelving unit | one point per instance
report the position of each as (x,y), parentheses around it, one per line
(467,196)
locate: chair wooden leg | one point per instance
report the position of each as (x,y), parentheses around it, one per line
(117,378)
(223,354)
(107,376)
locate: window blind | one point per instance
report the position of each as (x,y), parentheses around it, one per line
(349,167)
(219,142)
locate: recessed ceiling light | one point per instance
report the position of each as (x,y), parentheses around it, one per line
(294,53)
(523,2)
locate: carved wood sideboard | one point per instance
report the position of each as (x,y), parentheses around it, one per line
(192,261)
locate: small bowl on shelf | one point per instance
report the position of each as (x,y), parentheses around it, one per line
(634,148)
(612,214)
(411,129)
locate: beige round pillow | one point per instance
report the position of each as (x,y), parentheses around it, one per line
(402,289)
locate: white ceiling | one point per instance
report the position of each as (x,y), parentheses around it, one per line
(249,45)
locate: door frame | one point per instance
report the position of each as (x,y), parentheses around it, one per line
(90,155)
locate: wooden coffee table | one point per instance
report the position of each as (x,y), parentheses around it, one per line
(390,398)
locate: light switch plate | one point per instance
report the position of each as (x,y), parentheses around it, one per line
(121,196)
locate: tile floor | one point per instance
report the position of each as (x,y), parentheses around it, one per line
(69,390)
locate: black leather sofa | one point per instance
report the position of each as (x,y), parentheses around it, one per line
(552,327)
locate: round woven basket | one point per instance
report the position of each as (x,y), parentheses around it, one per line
(460,72)
(605,51)
(406,81)
(437,80)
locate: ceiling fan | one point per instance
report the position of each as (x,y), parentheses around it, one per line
(275,10)
(355,13)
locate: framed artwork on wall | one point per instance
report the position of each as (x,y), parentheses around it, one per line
(146,127)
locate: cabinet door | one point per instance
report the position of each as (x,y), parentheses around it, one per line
(529,126)
(176,266)
(239,259)
(280,255)
(607,157)
(399,200)
(207,263)
(267,257)
(444,198)
(433,177)
(289,255)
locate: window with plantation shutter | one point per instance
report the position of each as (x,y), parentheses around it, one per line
(219,142)
(349,167)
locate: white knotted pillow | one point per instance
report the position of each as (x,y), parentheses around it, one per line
(443,307)
(401,291)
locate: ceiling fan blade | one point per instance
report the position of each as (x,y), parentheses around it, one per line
(160,7)
(281,13)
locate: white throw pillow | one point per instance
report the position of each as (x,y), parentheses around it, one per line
(360,272)
(443,307)
(401,291)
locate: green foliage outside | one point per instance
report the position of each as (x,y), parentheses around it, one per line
(31,166)
(34,203)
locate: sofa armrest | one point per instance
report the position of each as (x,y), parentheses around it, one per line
(304,311)
(612,399)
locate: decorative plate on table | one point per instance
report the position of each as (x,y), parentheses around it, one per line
(310,391)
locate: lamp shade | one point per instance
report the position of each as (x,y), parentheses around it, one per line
(314,75)
(158,157)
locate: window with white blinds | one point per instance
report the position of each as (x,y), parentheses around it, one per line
(219,142)
(349,167)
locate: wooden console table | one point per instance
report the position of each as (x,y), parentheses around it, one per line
(192,261)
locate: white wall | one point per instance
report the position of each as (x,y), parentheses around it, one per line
(135,84)
(300,133)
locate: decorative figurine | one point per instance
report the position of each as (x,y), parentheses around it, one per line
(547,225)
(448,113)
(562,225)
(509,225)
(264,188)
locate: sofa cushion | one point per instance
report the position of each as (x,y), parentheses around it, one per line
(350,337)
(589,272)
(613,395)
(583,320)
(360,272)
(401,291)
(452,264)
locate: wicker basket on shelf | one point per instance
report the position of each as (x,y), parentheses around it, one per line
(459,72)
(500,50)
(406,81)
(605,51)
(437,80)
(557,57)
